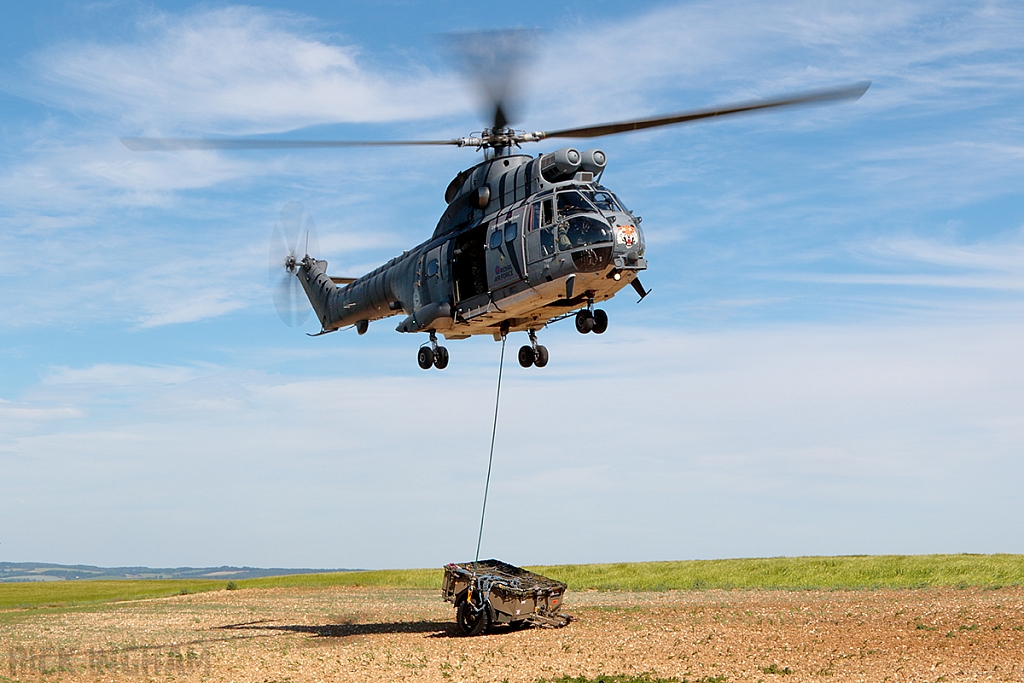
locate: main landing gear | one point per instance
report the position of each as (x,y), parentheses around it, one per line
(534,354)
(591,320)
(432,355)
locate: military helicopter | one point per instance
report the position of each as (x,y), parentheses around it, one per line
(524,241)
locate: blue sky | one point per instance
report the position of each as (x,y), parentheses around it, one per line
(829,363)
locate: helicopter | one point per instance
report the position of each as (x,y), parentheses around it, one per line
(525,241)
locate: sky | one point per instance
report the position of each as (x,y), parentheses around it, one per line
(829,363)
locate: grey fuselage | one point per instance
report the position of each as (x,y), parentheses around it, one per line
(516,228)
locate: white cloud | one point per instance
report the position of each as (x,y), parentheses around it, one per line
(942,173)
(109,375)
(995,264)
(239,70)
(24,414)
(919,55)
(1002,254)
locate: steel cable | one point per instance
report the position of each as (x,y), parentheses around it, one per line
(490,458)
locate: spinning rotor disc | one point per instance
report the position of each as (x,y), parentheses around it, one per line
(293,237)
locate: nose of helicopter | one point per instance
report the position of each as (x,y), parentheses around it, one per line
(629,242)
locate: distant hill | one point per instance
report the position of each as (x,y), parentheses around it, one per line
(42,571)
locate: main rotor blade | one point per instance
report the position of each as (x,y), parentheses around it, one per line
(850,92)
(164,144)
(497,61)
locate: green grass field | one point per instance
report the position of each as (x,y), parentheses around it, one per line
(778,573)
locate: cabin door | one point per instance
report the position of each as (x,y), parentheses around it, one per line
(435,275)
(468,264)
(505,262)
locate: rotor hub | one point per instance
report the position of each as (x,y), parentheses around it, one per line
(500,139)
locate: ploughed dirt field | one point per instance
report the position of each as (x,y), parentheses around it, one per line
(373,634)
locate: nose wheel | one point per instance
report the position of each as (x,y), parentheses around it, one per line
(433,355)
(534,354)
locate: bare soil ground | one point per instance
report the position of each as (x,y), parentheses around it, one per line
(372,634)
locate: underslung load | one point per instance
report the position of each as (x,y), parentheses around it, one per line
(491,592)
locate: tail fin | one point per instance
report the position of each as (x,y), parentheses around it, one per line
(319,287)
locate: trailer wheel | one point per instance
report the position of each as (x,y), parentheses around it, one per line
(473,622)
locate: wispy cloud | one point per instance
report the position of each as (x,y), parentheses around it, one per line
(1002,254)
(915,58)
(24,414)
(108,375)
(237,70)
(944,172)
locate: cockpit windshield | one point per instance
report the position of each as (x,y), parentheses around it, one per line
(572,203)
(604,200)
(582,231)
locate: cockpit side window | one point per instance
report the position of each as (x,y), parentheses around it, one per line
(605,201)
(547,242)
(601,189)
(547,212)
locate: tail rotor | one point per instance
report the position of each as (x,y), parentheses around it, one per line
(293,237)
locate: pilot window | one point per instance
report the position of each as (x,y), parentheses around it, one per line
(572,203)
(582,231)
(547,212)
(604,200)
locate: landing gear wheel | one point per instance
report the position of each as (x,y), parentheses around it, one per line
(472,622)
(584,321)
(600,321)
(542,356)
(425,357)
(527,356)
(440,358)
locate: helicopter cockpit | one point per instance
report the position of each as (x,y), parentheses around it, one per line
(582,229)
(582,223)
(575,219)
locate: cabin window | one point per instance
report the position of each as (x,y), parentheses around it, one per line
(495,239)
(511,231)
(432,268)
